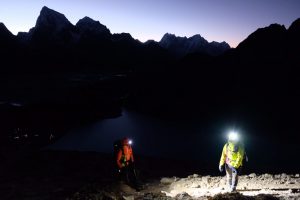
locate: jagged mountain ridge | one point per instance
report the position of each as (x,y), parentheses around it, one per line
(8,42)
(87,25)
(6,37)
(4,32)
(181,46)
(52,19)
(274,43)
(53,28)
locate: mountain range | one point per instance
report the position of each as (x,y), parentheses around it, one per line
(55,34)
(181,46)
(53,28)
(58,45)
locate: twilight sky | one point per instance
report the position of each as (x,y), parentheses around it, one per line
(216,20)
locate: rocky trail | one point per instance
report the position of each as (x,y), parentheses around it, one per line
(252,186)
(62,175)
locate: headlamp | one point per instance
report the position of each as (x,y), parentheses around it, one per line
(233,136)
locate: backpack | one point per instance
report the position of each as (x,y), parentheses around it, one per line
(117,147)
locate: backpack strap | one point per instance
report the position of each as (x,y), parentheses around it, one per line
(227,145)
(236,147)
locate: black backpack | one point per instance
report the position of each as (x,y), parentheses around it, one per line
(117,147)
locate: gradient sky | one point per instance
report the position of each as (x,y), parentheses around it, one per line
(216,20)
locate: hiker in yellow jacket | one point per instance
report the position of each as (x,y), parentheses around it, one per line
(232,159)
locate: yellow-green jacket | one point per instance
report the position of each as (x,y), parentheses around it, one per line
(232,154)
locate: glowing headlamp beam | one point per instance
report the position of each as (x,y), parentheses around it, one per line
(233,136)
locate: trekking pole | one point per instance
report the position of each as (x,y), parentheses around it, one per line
(133,170)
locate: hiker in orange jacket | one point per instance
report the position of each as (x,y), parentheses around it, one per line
(125,162)
(125,154)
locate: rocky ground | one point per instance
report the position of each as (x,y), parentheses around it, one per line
(89,176)
(251,187)
(282,186)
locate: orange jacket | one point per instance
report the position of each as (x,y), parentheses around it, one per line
(124,156)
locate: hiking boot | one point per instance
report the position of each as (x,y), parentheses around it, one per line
(232,189)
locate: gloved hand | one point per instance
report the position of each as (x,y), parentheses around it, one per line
(221,168)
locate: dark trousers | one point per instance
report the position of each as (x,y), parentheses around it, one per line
(128,175)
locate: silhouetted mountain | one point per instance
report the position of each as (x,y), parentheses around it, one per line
(8,44)
(91,30)
(94,45)
(217,48)
(270,45)
(124,38)
(5,35)
(295,27)
(88,25)
(294,40)
(23,38)
(52,20)
(265,43)
(52,28)
(181,46)
(7,39)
